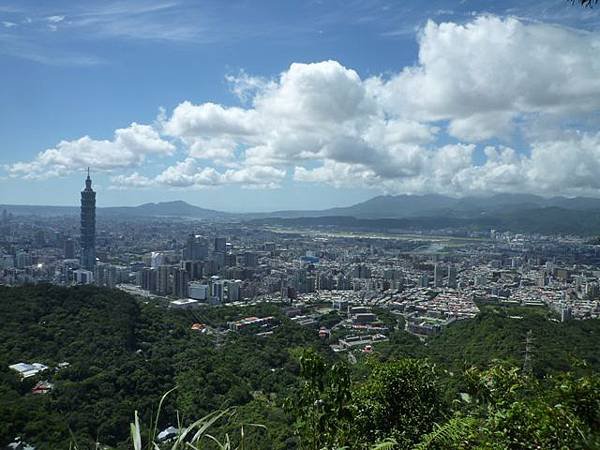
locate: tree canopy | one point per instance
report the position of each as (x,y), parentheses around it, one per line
(465,386)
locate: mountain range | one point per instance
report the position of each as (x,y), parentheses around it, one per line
(515,212)
(380,207)
(164,209)
(406,206)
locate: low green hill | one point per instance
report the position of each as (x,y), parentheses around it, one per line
(492,335)
(124,354)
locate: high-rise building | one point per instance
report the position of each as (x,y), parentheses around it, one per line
(592,290)
(81,276)
(219,259)
(23,259)
(193,268)
(234,293)
(361,271)
(451,276)
(343,283)
(100,274)
(40,238)
(230,259)
(149,279)
(437,275)
(325,282)
(305,281)
(88,225)
(197,290)
(250,259)
(392,274)
(181,278)
(164,283)
(195,248)
(542,279)
(217,288)
(220,244)
(566,313)
(106,275)
(69,249)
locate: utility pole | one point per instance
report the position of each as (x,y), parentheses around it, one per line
(527,361)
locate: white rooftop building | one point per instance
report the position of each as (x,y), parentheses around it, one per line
(28,370)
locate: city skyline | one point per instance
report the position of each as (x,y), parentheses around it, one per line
(328,107)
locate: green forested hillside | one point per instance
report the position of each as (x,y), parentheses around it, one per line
(494,335)
(500,334)
(59,324)
(124,355)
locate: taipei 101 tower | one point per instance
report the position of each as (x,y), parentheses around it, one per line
(88,225)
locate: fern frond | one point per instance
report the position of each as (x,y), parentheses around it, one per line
(449,435)
(386,444)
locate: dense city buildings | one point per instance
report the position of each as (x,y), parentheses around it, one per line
(416,276)
(430,279)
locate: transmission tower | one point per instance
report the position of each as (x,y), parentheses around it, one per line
(527,361)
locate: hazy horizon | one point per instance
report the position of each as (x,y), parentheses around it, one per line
(261,211)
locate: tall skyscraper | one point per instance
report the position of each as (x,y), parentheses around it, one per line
(88,225)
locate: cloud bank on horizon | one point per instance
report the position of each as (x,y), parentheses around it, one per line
(496,104)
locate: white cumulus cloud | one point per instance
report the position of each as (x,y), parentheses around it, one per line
(491,105)
(128,148)
(189,174)
(483,74)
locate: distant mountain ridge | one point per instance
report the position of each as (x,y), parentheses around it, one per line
(380,207)
(173,209)
(548,221)
(176,208)
(407,206)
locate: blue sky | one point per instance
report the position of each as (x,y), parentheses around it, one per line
(262,105)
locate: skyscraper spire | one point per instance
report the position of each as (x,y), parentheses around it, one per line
(88,181)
